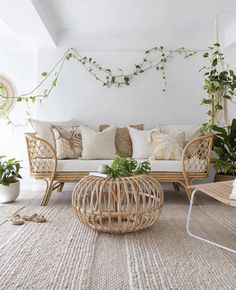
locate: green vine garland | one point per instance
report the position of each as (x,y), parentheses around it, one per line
(105,76)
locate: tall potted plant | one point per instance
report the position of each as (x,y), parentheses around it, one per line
(9,179)
(219,83)
(224,144)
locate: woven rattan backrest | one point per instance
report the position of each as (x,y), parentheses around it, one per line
(196,155)
(42,156)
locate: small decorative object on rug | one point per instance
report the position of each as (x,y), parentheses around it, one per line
(16,220)
(9,183)
(36,218)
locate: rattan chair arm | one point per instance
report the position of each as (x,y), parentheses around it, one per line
(196,150)
(37,149)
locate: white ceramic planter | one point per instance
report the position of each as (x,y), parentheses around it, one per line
(9,193)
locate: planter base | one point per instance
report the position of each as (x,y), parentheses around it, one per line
(222,177)
(9,193)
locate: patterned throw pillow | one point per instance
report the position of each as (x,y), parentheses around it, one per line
(168,146)
(123,141)
(68,142)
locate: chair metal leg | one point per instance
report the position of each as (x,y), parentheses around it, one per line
(198,237)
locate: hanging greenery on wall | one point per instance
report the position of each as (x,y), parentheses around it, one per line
(105,76)
(220,85)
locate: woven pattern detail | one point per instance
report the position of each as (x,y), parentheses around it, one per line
(197,154)
(41,155)
(63,254)
(46,256)
(118,205)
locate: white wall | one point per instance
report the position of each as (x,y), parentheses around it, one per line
(20,67)
(80,96)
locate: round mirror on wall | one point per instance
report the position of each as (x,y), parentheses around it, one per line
(7,93)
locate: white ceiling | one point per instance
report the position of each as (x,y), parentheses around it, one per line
(172,23)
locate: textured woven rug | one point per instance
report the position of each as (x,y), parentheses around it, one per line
(63,254)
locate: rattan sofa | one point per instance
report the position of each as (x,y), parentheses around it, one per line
(44,165)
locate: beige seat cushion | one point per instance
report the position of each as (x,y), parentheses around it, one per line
(79,165)
(123,141)
(68,142)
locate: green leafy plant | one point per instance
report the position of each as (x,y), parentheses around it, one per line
(106,76)
(9,171)
(224,144)
(219,83)
(123,166)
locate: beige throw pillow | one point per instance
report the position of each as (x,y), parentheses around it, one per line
(168,146)
(141,142)
(98,145)
(68,142)
(123,141)
(191,131)
(42,128)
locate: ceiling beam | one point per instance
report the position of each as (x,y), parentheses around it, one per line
(29,22)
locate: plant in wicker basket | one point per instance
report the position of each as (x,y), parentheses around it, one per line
(124,166)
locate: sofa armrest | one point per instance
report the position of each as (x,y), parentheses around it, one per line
(41,154)
(196,155)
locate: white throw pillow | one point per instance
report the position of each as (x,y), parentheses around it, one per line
(42,128)
(168,146)
(98,145)
(191,131)
(141,142)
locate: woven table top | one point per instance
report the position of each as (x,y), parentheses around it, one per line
(218,190)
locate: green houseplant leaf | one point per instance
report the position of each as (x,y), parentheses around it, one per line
(224,145)
(126,166)
(9,171)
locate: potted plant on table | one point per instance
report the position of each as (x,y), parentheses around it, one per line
(224,145)
(9,179)
(125,166)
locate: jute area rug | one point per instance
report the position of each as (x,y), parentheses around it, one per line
(63,254)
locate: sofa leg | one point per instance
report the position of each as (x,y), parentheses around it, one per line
(60,187)
(47,193)
(176,186)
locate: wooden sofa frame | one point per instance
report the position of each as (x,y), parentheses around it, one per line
(43,165)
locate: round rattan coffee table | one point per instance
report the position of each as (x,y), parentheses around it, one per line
(117,205)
